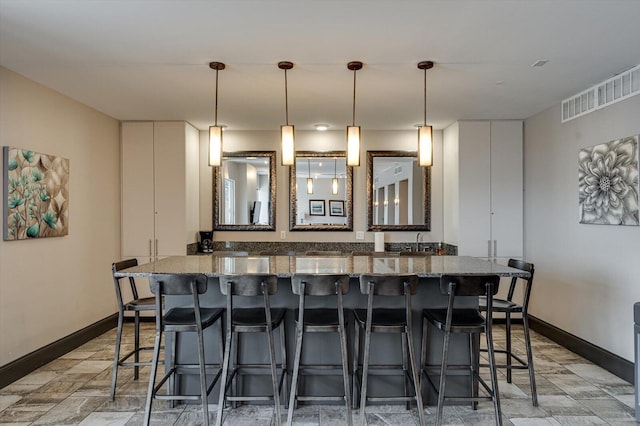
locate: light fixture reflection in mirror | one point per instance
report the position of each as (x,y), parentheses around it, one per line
(325,209)
(245,191)
(398,192)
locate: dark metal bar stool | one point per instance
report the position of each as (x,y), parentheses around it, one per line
(252,320)
(381,320)
(509,307)
(191,318)
(469,321)
(135,305)
(321,320)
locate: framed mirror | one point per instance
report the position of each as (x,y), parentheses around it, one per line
(398,192)
(321,192)
(244,192)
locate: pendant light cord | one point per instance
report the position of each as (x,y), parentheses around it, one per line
(354,98)
(425,96)
(216,110)
(286,98)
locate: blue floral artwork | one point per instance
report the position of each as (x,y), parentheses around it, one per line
(36,195)
(608,183)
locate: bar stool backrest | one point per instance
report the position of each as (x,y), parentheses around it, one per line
(320,285)
(118,266)
(388,285)
(178,284)
(525,266)
(248,285)
(469,285)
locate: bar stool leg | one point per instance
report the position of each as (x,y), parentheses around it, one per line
(116,357)
(405,369)
(152,377)
(494,376)
(365,367)
(136,345)
(414,373)
(356,365)
(172,378)
(225,372)
(474,353)
(443,371)
(345,365)
(508,344)
(203,377)
(532,376)
(236,356)
(274,372)
(285,370)
(296,371)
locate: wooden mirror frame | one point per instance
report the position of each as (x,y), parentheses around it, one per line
(217,184)
(426,187)
(293,199)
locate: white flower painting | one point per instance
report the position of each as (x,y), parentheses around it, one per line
(608,183)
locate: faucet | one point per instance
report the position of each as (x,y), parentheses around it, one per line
(418,241)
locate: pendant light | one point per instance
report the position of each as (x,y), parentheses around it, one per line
(215,131)
(286,131)
(353,131)
(425,133)
(309,179)
(334,181)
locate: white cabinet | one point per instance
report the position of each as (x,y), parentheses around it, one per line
(483,184)
(160,188)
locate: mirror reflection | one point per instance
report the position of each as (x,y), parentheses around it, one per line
(398,192)
(321,197)
(244,191)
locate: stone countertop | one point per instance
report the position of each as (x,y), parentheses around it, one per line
(286,266)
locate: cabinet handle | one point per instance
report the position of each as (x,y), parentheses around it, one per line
(488,248)
(495,248)
(156,248)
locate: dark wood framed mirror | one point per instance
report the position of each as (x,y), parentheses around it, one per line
(244,192)
(398,192)
(321,197)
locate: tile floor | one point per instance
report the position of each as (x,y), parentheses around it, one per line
(73,390)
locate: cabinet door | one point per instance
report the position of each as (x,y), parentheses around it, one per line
(170,201)
(474,172)
(506,188)
(137,189)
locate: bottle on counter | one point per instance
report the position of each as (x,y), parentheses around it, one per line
(440,249)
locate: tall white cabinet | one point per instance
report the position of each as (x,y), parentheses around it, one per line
(483,188)
(160,188)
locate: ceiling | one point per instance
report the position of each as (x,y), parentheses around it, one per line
(148,59)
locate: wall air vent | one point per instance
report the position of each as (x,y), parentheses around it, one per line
(615,89)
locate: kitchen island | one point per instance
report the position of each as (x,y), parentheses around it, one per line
(321,349)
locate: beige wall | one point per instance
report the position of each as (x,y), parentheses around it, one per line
(52,287)
(587,276)
(321,141)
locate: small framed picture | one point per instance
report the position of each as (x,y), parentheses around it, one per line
(316,207)
(336,208)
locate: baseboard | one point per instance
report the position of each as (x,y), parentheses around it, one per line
(24,365)
(599,356)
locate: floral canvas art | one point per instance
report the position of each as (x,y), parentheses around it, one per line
(608,183)
(36,195)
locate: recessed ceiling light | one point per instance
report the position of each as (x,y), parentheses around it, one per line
(540,63)
(321,127)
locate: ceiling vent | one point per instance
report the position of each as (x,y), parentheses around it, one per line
(615,89)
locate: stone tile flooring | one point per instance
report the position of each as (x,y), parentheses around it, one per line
(74,389)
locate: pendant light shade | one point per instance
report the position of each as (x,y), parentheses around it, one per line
(353,131)
(425,133)
(287,131)
(215,131)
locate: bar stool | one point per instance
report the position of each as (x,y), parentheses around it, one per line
(252,320)
(135,305)
(509,307)
(380,320)
(320,320)
(458,320)
(192,318)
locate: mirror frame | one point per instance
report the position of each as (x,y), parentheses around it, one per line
(426,187)
(293,198)
(217,184)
